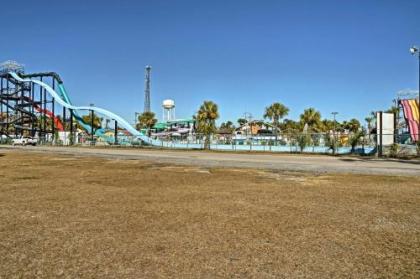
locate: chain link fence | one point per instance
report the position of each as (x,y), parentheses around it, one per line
(321,143)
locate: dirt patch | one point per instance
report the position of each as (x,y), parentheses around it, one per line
(64,216)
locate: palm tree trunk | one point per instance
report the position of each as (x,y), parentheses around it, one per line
(207,142)
(275,132)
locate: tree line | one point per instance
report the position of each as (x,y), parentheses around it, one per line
(309,121)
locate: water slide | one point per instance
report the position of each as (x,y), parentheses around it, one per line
(65,97)
(412,117)
(63,100)
(57,122)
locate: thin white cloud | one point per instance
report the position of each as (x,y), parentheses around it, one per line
(407,93)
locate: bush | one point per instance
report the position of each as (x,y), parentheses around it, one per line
(354,140)
(303,140)
(331,142)
(282,142)
(394,150)
(418,148)
(316,139)
(6,141)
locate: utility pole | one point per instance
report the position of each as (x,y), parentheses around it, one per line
(414,50)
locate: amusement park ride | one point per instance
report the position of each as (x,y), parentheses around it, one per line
(25,110)
(37,105)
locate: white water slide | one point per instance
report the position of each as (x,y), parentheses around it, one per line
(121,121)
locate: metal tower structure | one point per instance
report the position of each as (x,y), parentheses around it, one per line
(25,110)
(147,89)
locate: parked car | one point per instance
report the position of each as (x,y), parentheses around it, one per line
(24,141)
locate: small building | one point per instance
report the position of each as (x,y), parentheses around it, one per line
(174,129)
(256,132)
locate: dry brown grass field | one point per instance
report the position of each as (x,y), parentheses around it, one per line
(85,217)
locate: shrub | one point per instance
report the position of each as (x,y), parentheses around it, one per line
(332,143)
(282,142)
(303,140)
(316,139)
(394,150)
(354,140)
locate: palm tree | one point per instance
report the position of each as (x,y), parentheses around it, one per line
(97,122)
(329,125)
(369,120)
(206,120)
(373,115)
(355,139)
(311,117)
(242,121)
(290,125)
(228,126)
(275,112)
(395,110)
(353,125)
(146,120)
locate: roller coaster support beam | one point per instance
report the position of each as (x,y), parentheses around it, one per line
(92,115)
(53,112)
(71,128)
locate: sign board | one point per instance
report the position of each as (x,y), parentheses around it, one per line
(388,128)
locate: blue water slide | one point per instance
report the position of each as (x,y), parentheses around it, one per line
(66,98)
(59,98)
(76,115)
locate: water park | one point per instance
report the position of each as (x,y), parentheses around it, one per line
(38,106)
(210,139)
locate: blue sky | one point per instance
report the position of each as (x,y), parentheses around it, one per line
(346,56)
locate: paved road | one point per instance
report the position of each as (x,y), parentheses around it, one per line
(288,162)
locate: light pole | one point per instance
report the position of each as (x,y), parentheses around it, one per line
(414,50)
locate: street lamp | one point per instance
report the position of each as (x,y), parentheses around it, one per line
(414,50)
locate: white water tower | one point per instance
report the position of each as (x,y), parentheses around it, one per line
(168,107)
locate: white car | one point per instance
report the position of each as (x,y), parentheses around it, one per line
(24,141)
